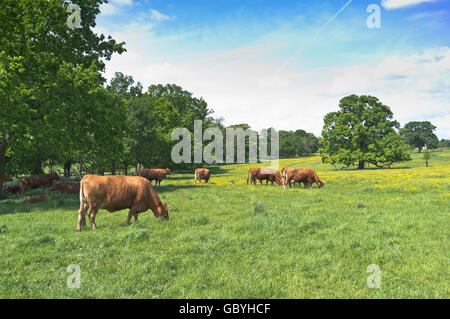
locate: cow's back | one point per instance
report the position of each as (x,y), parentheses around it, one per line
(115,193)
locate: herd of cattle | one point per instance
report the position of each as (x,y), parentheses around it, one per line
(114,193)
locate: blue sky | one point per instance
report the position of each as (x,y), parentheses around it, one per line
(264,62)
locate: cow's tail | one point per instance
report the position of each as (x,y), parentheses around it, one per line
(83,199)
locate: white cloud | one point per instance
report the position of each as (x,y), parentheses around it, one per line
(397,4)
(122,2)
(242,84)
(108,9)
(155,15)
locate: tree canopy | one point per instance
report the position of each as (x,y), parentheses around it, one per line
(362,131)
(420,134)
(54,105)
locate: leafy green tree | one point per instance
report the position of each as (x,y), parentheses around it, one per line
(45,61)
(362,131)
(420,134)
(297,143)
(444,143)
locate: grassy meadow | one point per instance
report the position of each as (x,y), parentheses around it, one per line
(228,239)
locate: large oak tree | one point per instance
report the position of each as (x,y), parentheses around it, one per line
(362,131)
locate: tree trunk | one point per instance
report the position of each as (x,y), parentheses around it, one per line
(426,162)
(67,167)
(37,169)
(113,169)
(125,172)
(80,172)
(3,147)
(361,165)
(420,150)
(2,165)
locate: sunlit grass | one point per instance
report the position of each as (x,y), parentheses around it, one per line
(227,239)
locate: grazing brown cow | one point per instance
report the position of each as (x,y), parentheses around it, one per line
(264,173)
(36,181)
(164,171)
(66,188)
(114,193)
(307,176)
(202,173)
(13,190)
(152,175)
(5,178)
(36,199)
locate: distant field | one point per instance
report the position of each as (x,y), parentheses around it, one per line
(228,239)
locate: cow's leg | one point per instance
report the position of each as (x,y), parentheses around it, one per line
(131,213)
(82,216)
(135,217)
(92,212)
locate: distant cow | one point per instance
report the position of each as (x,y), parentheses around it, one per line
(114,193)
(5,178)
(264,173)
(307,176)
(13,190)
(66,188)
(36,199)
(164,171)
(36,181)
(152,175)
(202,174)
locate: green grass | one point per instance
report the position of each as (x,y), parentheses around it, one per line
(232,240)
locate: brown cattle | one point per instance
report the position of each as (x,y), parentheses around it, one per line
(202,173)
(36,199)
(66,188)
(13,190)
(114,193)
(36,181)
(307,176)
(5,178)
(264,173)
(152,175)
(164,171)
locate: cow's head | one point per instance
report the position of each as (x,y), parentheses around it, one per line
(169,172)
(278,179)
(320,183)
(163,212)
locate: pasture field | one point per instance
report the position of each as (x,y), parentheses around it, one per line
(228,239)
